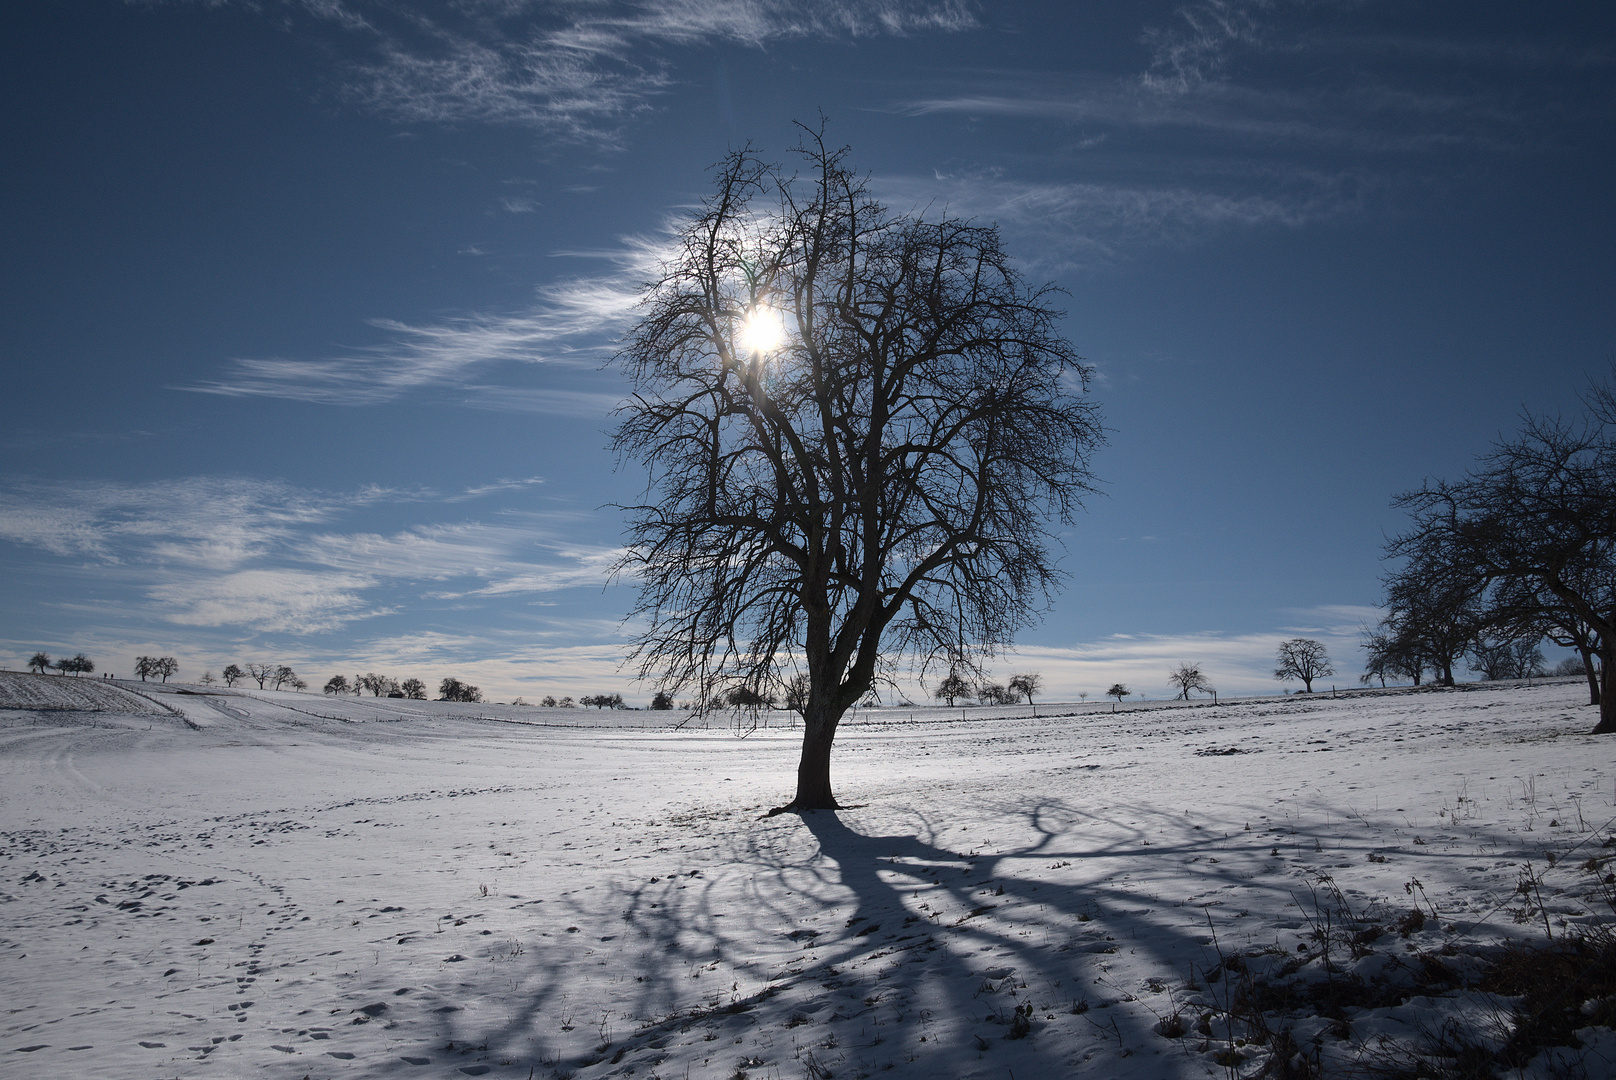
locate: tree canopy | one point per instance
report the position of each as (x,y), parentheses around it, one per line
(858,426)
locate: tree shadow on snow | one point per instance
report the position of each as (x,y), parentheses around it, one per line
(861,941)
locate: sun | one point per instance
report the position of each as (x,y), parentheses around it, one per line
(764,330)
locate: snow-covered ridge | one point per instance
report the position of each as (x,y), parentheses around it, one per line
(25,691)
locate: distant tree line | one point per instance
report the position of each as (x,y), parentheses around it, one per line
(41,662)
(955,687)
(1521,548)
(267,676)
(155,667)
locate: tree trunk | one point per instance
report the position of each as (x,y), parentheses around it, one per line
(1607,692)
(1307,685)
(813,769)
(1590,673)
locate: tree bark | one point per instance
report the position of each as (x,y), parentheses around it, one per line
(1589,672)
(1607,692)
(813,770)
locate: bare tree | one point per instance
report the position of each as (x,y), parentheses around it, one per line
(857,426)
(378,685)
(78,664)
(1541,509)
(744,697)
(1026,685)
(39,663)
(796,693)
(233,674)
(1188,677)
(164,666)
(454,690)
(1118,691)
(282,675)
(994,694)
(260,673)
(1434,615)
(414,689)
(1507,657)
(955,686)
(1302,658)
(1389,655)
(336,684)
(207,679)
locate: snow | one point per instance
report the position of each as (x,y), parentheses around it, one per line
(236,882)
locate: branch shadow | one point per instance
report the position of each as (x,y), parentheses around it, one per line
(861,941)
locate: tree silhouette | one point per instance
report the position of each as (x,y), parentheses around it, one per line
(857,425)
(1302,658)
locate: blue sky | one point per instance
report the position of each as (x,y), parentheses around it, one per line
(307,305)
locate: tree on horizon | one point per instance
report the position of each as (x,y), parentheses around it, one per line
(857,425)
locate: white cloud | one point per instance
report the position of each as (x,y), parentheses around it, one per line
(259,555)
(573,323)
(208,522)
(285,600)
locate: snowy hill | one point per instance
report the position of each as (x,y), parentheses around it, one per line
(257,889)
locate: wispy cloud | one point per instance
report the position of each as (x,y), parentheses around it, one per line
(573,323)
(576,69)
(1247,113)
(264,557)
(1080,222)
(209,522)
(273,600)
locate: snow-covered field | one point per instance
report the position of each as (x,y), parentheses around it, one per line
(266,886)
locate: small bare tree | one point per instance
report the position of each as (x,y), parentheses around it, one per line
(1302,658)
(1026,685)
(952,688)
(1118,691)
(1188,677)
(39,663)
(796,693)
(858,426)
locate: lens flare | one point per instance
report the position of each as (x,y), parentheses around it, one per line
(763,331)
